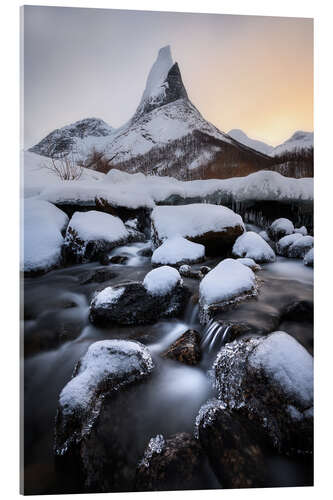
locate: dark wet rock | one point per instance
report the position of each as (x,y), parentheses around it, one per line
(186,349)
(280,228)
(188,272)
(135,236)
(104,259)
(98,276)
(118,259)
(205,270)
(108,372)
(300,310)
(231,446)
(134,305)
(174,463)
(145,252)
(269,380)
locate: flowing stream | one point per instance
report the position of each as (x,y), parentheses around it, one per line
(57,333)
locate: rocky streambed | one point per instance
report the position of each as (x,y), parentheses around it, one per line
(169,417)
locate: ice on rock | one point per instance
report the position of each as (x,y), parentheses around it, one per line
(253,246)
(300,247)
(279,228)
(206,413)
(162,280)
(284,243)
(286,361)
(301,230)
(176,250)
(193,220)
(107,296)
(308,258)
(155,446)
(42,238)
(118,361)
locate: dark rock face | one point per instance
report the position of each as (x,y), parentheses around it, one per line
(301,310)
(174,463)
(99,276)
(138,307)
(186,349)
(205,270)
(231,447)
(118,259)
(280,409)
(187,271)
(81,420)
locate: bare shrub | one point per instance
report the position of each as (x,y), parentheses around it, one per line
(65,167)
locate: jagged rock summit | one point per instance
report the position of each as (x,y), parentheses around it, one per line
(167,135)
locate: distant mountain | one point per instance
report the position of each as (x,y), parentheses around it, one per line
(299,141)
(241,137)
(167,135)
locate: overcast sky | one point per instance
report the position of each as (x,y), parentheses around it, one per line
(253,73)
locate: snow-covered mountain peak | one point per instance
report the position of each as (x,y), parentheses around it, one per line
(164,84)
(300,140)
(241,137)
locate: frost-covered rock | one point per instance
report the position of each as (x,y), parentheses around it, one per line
(91,234)
(43,240)
(284,243)
(107,367)
(300,247)
(308,258)
(279,228)
(228,283)
(253,246)
(186,349)
(246,261)
(270,380)
(177,251)
(231,446)
(301,230)
(214,226)
(161,295)
(173,463)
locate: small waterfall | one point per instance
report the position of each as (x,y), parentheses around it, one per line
(215,336)
(191,314)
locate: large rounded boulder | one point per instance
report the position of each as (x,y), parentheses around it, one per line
(300,247)
(214,226)
(251,245)
(177,251)
(162,294)
(279,228)
(269,380)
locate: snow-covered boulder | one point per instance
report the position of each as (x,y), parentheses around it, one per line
(285,243)
(107,367)
(301,230)
(253,246)
(234,455)
(162,294)
(228,283)
(300,247)
(42,236)
(173,463)
(246,261)
(279,228)
(270,380)
(308,258)
(264,236)
(177,251)
(91,234)
(214,226)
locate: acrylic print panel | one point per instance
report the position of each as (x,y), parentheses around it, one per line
(168,251)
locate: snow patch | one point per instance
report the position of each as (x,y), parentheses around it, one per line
(162,280)
(177,249)
(253,246)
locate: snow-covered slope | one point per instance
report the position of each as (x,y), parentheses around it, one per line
(167,134)
(298,141)
(241,137)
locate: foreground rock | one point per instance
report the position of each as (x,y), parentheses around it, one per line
(174,463)
(251,245)
(300,247)
(234,455)
(43,240)
(214,226)
(186,349)
(161,295)
(176,251)
(279,228)
(108,368)
(91,234)
(229,283)
(269,380)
